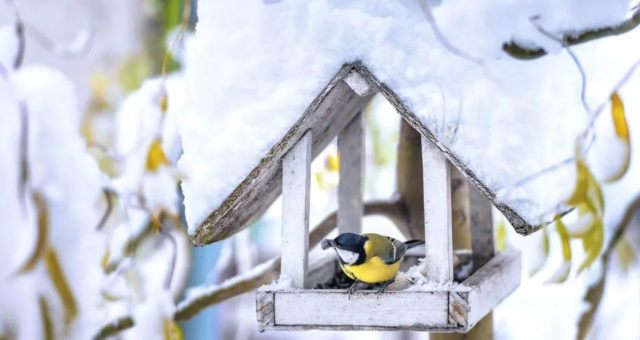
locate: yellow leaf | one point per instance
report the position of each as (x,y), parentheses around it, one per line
(626,254)
(333,162)
(156,156)
(622,131)
(562,273)
(164,103)
(592,243)
(43,231)
(564,238)
(545,249)
(104,262)
(45,314)
(582,182)
(61,284)
(171,330)
(619,120)
(501,236)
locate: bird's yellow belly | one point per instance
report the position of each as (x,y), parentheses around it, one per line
(373,270)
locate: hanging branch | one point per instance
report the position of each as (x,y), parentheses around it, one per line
(583,75)
(572,37)
(261,274)
(441,37)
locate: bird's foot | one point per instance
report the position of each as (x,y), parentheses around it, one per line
(352,289)
(382,288)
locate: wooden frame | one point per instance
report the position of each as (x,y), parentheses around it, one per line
(448,308)
(444,306)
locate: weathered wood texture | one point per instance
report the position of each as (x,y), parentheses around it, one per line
(325,117)
(350,188)
(296,175)
(482,238)
(409,180)
(437,214)
(453,309)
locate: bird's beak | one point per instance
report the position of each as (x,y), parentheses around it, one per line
(326,244)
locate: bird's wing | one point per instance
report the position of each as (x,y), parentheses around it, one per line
(398,248)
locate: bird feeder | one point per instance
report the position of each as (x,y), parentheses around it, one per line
(440,305)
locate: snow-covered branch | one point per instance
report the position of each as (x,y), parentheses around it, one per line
(570,38)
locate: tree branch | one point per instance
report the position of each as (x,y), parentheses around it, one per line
(570,38)
(263,273)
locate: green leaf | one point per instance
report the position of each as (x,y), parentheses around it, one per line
(562,273)
(501,236)
(45,314)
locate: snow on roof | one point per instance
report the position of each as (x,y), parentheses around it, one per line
(253,69)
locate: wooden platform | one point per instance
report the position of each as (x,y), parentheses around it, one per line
(454,307)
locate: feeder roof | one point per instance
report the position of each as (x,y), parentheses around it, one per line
(260,74)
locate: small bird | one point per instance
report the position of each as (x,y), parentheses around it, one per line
(369,258)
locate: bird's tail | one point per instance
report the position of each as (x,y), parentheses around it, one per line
(413,243)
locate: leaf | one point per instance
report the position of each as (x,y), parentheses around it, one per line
(501,236)
(593,297)
(43,231)
(545,250)
(562,273)
(104,261)
(171,330)
(45,314)
(626,254)
(156,157)
(61,284)
(333,162)
(592,243)
(622,131)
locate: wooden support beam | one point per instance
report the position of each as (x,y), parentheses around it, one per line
(296,174)
(482,240)
(350,188)
(437,213)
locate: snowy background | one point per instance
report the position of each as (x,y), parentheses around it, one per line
(95,127)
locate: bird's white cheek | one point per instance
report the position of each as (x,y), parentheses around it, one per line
(347,256)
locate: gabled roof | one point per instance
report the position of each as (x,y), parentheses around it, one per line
(325,117)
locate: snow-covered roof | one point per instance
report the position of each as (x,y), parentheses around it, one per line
(254,72)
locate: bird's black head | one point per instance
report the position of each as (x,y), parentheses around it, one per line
(349,246)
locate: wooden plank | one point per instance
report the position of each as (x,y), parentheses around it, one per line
(334,107)
(296,176)
(482,240)
(350,188)
(437,213)
(325,308)
(359,84)
(492,283)
(265,309)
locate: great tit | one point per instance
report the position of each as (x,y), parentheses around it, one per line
(369,258)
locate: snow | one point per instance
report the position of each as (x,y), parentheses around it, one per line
(252,69)
(72,197)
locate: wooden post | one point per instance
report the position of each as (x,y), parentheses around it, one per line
(296,174)
(350,188)
(437,213)
(409,179)
(482,240)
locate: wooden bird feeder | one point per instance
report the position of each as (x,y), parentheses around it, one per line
(440,305)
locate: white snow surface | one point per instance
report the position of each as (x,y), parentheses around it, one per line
(253,68)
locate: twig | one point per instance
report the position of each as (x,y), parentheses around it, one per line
(174,255)
(23,155)
(80,45)
(108,196)
(259,275)
(443,40)
(583,75)
(573,37)
(186,14)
